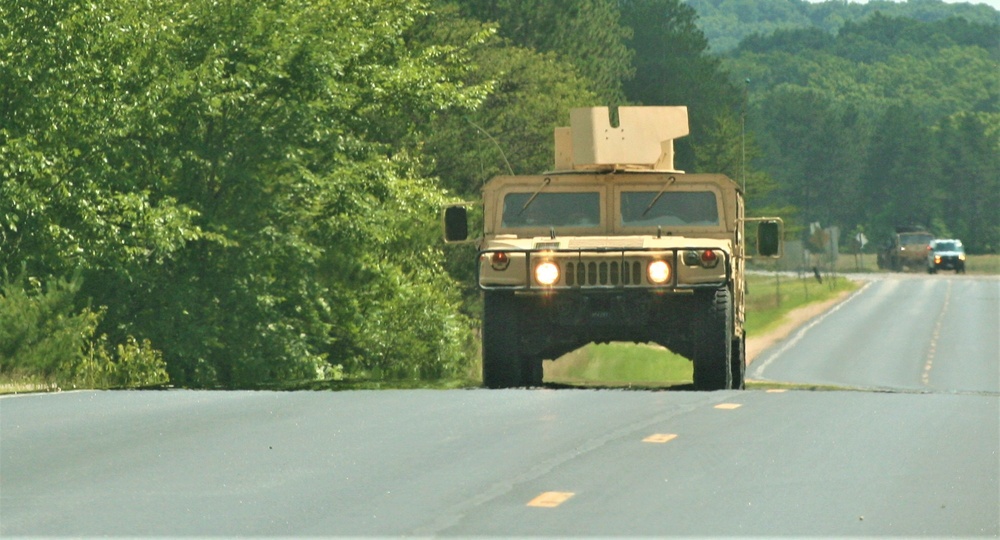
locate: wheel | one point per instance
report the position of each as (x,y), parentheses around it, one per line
(738,363)
(531,371)
(713,342)
(504,362)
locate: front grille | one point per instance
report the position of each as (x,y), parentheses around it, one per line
(603,273)
(585,268)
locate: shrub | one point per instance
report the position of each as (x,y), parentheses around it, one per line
(43,336)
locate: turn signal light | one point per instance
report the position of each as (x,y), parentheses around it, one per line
(709,258)
(499,261)
(706,258)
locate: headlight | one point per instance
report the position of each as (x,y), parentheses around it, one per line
(658,272)
(547,273)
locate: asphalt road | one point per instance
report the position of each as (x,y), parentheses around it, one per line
(936,333)
(913,448)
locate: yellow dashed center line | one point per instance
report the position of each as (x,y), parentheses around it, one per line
(728,406)
(932,349)
(776,391)
(550,499)
(660,438)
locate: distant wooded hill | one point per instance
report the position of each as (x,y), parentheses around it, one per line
(726,23)
(891,120)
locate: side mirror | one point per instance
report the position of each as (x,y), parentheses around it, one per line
(769,238)
(456,223)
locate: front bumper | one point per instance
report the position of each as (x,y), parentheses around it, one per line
(948,262)
(597,269)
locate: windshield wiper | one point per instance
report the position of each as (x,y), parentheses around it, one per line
(652,203)
(535,194)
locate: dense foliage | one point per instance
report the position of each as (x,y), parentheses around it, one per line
(891,122)
(726,23)
(225,178)
(241,192)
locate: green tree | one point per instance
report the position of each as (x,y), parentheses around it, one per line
(230,179)
(970,151)
(68,196)
(811,150)
(585,33)
(673,67)
(826,152)
(900,182)
(726,23)
(732,151)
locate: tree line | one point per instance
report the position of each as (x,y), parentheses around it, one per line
(890,122)
(243,192)
(726,23)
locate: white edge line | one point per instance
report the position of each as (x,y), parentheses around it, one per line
(789,343)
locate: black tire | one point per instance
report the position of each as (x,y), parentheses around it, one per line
(738,363)
(713,342)
(532,372)
(504,363)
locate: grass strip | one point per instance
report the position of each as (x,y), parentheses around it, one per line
(770,298)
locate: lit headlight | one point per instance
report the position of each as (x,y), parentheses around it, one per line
(547,273)
(658,272)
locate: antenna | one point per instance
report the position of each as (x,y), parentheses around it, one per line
(743,135)
(504,156)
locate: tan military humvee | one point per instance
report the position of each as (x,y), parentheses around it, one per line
(614,245)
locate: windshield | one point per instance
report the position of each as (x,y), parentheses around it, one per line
(946,246)
(675,208)
(919,238)
(558,209)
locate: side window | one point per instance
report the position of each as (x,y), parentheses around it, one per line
(669,208)
(553,209)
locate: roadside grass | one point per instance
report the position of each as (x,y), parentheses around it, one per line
(22,383)
(982,264)
(867,262)
(769,300)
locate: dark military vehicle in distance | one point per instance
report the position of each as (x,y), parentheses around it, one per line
(905,249)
